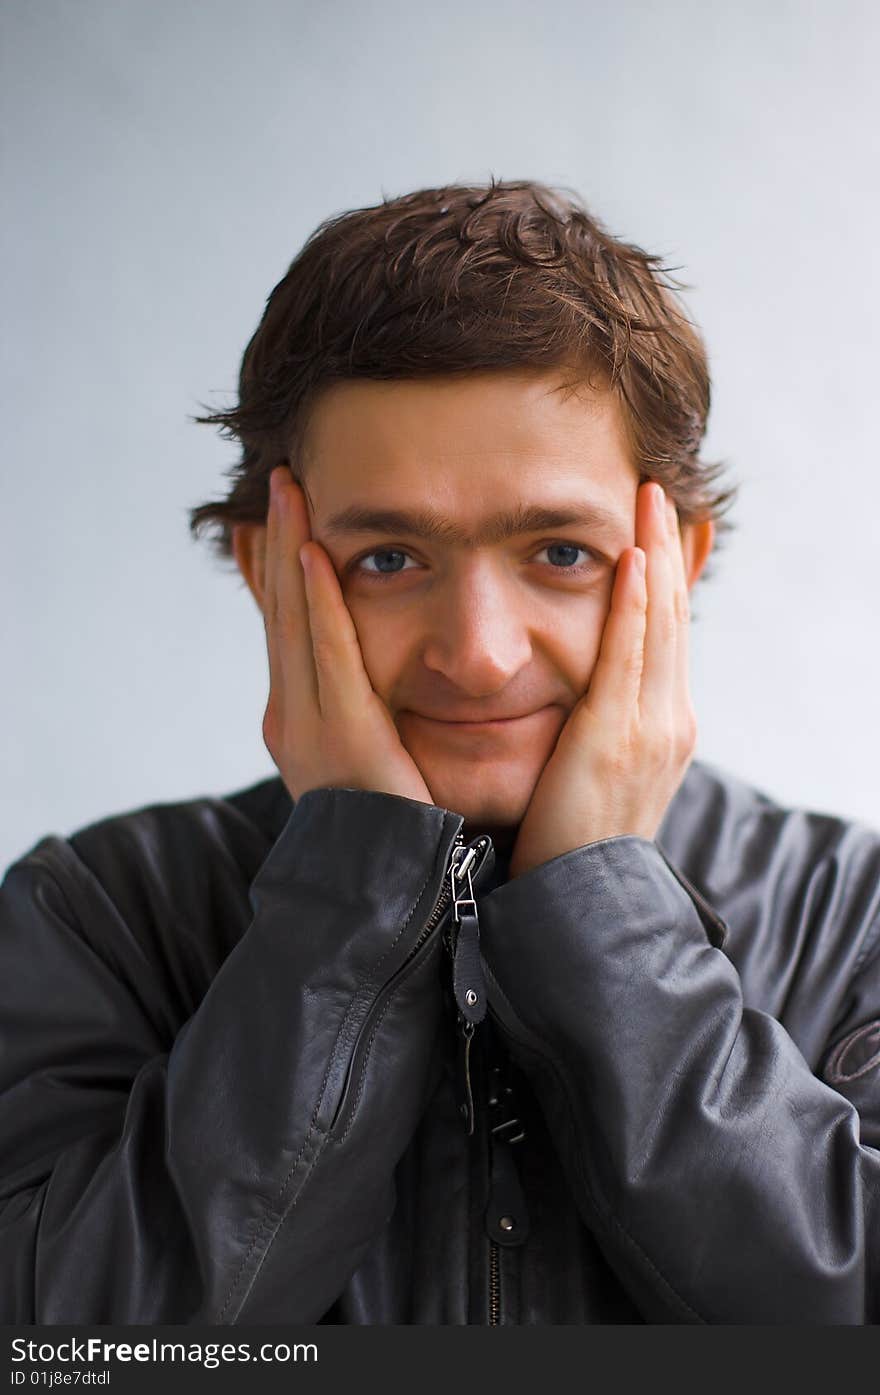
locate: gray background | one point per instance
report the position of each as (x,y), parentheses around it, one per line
(165,162)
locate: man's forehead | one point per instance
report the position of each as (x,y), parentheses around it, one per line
(435,463)
(496,416)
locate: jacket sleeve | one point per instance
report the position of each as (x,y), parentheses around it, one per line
(239,1172)
(724,1181)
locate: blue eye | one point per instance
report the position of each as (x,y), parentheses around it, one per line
(384,555)
(565,554)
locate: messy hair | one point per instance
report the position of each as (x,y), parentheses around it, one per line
(459,279)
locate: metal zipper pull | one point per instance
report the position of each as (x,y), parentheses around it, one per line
(468,983)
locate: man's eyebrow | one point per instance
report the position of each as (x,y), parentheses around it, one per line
(510,523)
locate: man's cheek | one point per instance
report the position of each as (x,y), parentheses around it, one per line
(577,662)
(379,651)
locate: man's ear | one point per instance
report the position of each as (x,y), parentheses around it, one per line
(697,540)
(249,551)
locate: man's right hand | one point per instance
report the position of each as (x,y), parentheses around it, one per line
(324,724)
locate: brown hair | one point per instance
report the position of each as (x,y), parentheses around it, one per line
(463,278)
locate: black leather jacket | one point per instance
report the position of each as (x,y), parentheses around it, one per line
(235,1080)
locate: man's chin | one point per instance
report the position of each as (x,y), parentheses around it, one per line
(487,777)
(492,806)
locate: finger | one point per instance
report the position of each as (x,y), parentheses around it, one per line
(659,675)
(342,681)
(613,694)
(681,606)
(270,597)
(287,613)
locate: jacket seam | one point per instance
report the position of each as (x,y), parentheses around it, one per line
(265,1224)
(265,1227)
(372,1038)
(869,948)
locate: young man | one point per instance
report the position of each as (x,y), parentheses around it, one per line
(496,1006)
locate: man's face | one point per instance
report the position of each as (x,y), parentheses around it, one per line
(480,635)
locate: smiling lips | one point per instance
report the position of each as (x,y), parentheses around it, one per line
(483,724)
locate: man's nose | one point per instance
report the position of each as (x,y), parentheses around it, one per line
(476,635)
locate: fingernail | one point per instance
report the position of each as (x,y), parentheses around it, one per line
(660,501)
(305,560)
(640,561)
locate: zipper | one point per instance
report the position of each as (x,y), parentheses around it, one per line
(445,895)
(494,1285)
(458,854)
(505,1214)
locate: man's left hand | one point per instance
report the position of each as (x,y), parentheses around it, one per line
(627,743)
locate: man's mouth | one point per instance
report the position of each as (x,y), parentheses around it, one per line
(482,723)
